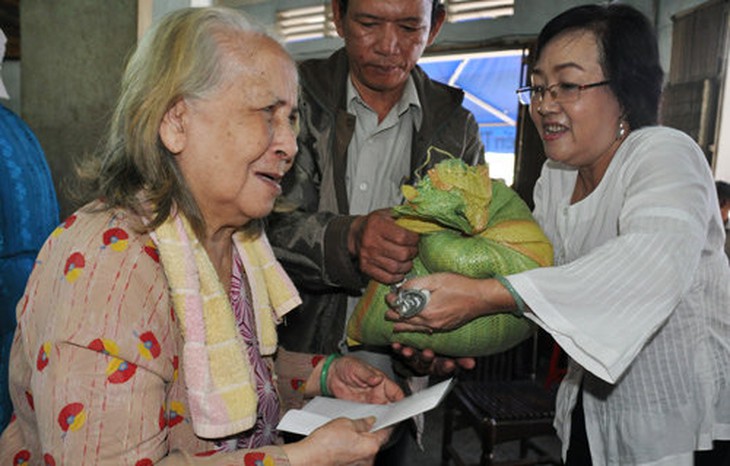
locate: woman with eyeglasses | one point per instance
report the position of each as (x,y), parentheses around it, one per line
(639,296)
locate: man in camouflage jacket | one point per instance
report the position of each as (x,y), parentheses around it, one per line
(311,241)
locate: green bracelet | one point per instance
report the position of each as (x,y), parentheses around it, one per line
(323,375)
(521,307)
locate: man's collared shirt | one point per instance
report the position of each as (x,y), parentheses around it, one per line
(379,155)
(379,158)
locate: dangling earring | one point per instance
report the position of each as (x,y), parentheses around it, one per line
(621,131)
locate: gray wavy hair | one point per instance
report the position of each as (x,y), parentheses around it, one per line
(181,57)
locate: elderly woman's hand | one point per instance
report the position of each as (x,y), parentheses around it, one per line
(352,379)
(339,442)
(455,300)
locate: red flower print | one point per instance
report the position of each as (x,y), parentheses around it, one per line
(316,359)
(43,355)
(297,384)
(29,399)
(172,417)
(162,420)
(104,345)
(64,226)
(74,266)
(257,458)
(206,453)
(148,347)
(72,417)
(116,238)
(48,460)
(22,457)
(151,250)
(96,345)
(144,462)
(175,366)
(119,371)
(176,414)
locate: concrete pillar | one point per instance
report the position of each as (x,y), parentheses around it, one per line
(73,54)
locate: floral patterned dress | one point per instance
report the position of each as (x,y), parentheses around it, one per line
(97,373)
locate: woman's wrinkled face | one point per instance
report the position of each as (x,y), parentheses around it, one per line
(581,133)
(385,39)
(235,144)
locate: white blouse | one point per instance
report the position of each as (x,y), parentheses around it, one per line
(639,299)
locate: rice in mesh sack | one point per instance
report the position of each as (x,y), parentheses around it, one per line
(469,224)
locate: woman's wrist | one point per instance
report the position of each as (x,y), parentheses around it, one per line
(323,375)
(318,377)
(519,307)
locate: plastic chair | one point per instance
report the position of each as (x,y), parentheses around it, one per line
(502,401)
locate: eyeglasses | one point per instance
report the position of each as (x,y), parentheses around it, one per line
(560,92)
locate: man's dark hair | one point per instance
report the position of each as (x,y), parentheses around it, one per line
(436,7)
(723,191)
(629,54)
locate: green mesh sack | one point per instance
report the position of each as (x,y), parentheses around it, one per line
(469,224)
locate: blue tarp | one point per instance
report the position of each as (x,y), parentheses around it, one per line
(490,83)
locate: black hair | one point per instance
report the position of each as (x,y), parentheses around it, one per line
(436,7)
(629,55)
(723,191)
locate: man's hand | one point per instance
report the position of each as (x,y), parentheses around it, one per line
(352,379)
(385,250)
(427,363)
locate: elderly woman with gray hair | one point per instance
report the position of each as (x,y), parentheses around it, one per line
(146,334)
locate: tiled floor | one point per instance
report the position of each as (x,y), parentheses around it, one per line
(467,442)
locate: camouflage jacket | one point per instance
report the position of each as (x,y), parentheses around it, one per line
(310,237)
